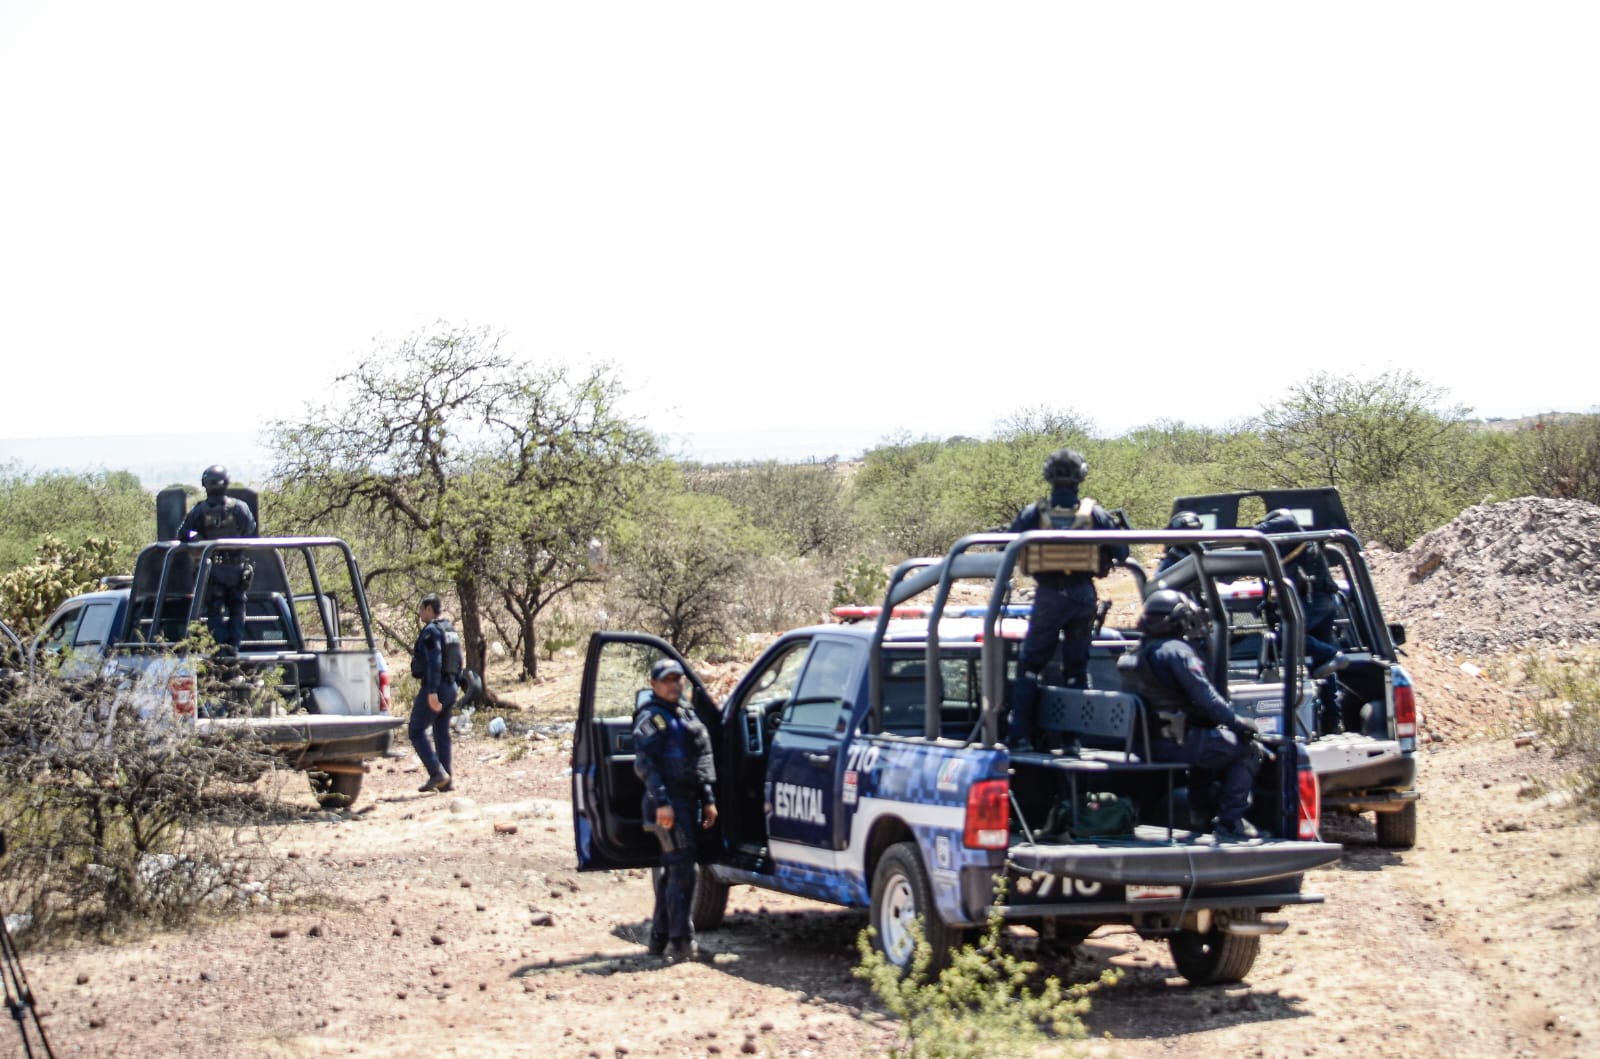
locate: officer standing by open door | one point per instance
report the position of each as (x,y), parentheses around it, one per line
(672,756)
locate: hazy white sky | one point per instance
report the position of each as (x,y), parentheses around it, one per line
(909,216)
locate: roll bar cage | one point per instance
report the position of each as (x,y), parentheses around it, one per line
(994,557)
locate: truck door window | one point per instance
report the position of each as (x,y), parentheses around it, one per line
(95,626)
(622,672)
(60,632)
(822,698)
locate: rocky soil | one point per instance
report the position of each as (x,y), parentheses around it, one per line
(434,925)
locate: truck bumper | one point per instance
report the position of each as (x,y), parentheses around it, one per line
(312,738)
(1360,768)
(1142,884)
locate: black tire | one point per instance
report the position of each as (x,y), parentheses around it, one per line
(901,895)
(1398,830)
(710,904)
(1214,957)
(336,790)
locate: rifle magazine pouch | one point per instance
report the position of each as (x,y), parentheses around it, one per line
(1061,557)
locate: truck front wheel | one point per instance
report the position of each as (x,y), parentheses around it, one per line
(1213,957)
(902,900)
(710,904)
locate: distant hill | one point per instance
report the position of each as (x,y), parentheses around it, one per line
(164,459)
(157,459)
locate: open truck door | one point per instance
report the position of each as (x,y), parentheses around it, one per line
(606,794)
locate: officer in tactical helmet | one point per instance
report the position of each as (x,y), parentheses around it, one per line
(216,517)
(1307,568)
(1197,726)
(1063,603)
(1183,520)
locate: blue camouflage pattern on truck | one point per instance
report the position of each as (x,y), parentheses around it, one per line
(894,782)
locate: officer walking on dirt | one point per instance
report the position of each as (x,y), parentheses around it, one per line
(214,518)
(1197,725)
(436,661)
(672,755)
(1062,602)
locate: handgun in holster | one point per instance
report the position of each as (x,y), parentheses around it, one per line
(1174,724)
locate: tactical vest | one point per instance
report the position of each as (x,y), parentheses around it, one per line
(452,660)
(220,520)
(1056,557)
(1167,706)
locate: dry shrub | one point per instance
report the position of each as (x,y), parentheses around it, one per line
(113,822)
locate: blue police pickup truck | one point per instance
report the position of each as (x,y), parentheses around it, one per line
(860,764)
(307,642)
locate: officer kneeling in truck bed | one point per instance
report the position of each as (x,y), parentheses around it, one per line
(1198,727)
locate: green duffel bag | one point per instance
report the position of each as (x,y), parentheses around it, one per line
(1099,814)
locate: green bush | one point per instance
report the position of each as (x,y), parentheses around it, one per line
(30,593)
(863,582)
(979,1006)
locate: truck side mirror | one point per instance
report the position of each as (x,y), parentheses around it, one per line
(1397,633)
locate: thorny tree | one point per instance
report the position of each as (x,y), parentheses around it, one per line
(482,470)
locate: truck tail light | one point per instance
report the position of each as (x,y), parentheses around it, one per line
(1405,714)
(1310,815)
(383,691)
(988,815)
(181,688)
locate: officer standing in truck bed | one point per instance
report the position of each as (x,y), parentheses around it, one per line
(217,517)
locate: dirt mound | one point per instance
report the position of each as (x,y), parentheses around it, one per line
(1498,578)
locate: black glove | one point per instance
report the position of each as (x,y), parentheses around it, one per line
(1246,729)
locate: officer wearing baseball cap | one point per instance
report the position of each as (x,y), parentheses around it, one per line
(672,755)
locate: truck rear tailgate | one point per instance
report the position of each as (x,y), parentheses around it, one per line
(1180,863)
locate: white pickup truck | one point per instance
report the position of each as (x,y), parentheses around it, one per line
(1357,716)
(322,686)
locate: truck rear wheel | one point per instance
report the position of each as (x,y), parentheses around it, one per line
(1214,957)
(1398,830)
(902,899)
(336,790)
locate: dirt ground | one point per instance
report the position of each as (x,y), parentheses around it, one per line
(455,925)
(440,930)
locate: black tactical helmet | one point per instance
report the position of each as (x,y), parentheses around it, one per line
(1186,520)
(1280,521)
(1171,613)
(214,479)
(1065,465)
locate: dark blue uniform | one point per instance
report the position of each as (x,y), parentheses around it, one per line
(1307,569)
(1169,677)
(215,518)
(427,664)
(672,755)
(1062,604)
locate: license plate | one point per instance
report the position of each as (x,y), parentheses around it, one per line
(1154,893)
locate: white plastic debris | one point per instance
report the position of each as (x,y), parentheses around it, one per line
(497,727)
